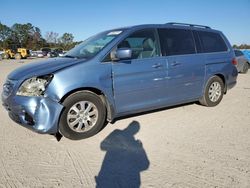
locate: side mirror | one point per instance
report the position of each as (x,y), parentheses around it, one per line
(121,54)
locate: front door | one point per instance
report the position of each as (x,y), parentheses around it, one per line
(139,83)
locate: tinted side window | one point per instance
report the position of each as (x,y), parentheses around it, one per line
(143,44)
(212,42)
(176,41)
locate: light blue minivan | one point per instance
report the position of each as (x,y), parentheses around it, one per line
(121,72)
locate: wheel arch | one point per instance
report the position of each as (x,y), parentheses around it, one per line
(248,62)
(222,77)
(203,100)
(100,93)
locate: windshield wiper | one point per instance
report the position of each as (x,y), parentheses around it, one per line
(70,56)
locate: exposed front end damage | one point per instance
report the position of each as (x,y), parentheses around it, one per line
(40,114)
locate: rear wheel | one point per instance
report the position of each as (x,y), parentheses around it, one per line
(18,56)
(213,92)
(245,68)
(84,115)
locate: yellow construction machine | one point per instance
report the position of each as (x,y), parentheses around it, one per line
(19,53)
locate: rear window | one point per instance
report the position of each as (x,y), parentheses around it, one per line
(212,42)
(176,41)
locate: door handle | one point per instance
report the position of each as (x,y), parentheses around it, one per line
(175,63)
(157,65)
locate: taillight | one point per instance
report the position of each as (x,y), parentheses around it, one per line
(234,61)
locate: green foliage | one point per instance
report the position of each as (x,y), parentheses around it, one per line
(242,46)
(67,38)
(29,36)
(66,41)
(5,36)
(5,32)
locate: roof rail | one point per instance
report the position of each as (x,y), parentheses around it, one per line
(190,25)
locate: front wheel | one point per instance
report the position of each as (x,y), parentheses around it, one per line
(5,56)
(84,115)
(245,68)
(213,93)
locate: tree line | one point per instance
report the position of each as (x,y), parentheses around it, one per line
(242,46)
(30,37)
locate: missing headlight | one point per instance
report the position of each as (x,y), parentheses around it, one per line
(34,86)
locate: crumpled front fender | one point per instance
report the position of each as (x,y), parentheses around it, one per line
(40,114)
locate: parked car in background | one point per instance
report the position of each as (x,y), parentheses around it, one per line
(45,51)
(33,53)
(121,72)
(242,62)
(55,52)
(40,54)
(62,53)
(246,53)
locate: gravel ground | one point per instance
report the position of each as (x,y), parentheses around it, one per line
(185,146)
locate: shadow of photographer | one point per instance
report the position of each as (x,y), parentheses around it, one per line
(124,160)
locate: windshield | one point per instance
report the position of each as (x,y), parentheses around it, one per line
(90,47)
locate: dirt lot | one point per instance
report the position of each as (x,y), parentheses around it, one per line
(184,146)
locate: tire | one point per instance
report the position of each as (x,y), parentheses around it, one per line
(5,56)
(213,93)
(77,121)
(18,56)
(245,68)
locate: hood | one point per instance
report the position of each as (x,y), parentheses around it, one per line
(42,68)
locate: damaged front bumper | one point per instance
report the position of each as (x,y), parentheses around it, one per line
(40,114)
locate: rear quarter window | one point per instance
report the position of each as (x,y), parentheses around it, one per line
(212,42)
